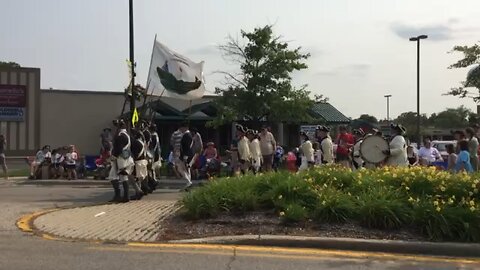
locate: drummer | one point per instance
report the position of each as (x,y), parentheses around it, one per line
(356,157)
(397,155)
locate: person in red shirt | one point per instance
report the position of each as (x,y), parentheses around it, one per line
(345,142)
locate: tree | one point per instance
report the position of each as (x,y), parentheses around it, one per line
(9,64)
(409,121)
(262,90)
(368,118)
(451,118)
(471,56)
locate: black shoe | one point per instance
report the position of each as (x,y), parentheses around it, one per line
(137,197)
(116,190)
(125,198)
(145,188)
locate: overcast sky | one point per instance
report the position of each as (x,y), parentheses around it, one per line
(360,48)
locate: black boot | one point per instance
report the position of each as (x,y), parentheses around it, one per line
(116,190)
(145,188)
(125,192)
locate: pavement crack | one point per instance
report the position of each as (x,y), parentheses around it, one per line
(232,259)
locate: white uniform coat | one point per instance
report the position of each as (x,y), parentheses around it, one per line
(398,152)
(356,154)
(256,154)
(308,154)
(327,150)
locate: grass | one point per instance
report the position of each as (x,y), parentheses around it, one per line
(18,172)
(440,205)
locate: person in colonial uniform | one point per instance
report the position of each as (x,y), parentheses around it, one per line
(155,156)
(244,154)
(139,150)
(326,144)
(122,162)
(307,152)
(186,154)
(397,155)
(255,152)
(356,157)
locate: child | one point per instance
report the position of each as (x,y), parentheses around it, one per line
(452,157)
(57,163)
(71,163)
(277,158)
(463,159)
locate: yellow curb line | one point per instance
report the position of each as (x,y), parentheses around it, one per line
(25,223)
(301,253)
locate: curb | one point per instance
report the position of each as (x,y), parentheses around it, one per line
(386,246)
(459,250)
(169,183)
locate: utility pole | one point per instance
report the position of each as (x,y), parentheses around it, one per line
(132,61)
(417,39)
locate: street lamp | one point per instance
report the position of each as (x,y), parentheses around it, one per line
(417,39)
(388,106)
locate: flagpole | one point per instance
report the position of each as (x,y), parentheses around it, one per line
(132,59)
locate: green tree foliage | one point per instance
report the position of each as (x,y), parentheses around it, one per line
(262,90)
(9,64)
(409,121)
(369,118)
(471,56)
(452,118)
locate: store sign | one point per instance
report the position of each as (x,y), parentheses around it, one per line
(310,130)
(13,99)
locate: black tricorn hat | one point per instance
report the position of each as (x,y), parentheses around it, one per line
(359,131)
(303,133)
(240,128)
(398,127)
(323,128)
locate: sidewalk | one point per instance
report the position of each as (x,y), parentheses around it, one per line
(133,221)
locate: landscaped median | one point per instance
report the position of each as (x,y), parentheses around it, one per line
(417,203)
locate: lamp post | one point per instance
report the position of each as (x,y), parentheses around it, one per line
(417,39)
(132,60)
(388,106)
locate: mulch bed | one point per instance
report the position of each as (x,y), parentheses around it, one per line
(178,227)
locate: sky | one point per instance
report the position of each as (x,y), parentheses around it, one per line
(360,48)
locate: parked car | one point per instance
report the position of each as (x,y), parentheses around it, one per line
(442,147)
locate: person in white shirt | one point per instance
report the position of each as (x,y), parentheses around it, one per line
(428,154)
(307,152)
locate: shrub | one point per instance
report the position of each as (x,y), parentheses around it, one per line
(443,206)
(294,212)
(333,207)
(382,208)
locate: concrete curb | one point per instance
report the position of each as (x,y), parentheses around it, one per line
(162,182)
(460,250)
(387,246)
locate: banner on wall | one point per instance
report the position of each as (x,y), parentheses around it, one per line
(13,100)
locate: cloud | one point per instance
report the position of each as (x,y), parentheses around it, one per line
(210,49)
(435,32)
(354,70)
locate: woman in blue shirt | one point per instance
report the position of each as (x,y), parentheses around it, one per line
(463,159)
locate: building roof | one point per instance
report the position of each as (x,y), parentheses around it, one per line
(328,113)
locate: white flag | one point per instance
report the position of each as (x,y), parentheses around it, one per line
(173,75)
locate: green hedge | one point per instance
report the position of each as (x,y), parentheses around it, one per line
(440,205)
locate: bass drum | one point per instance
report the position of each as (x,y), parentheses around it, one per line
(372,147)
